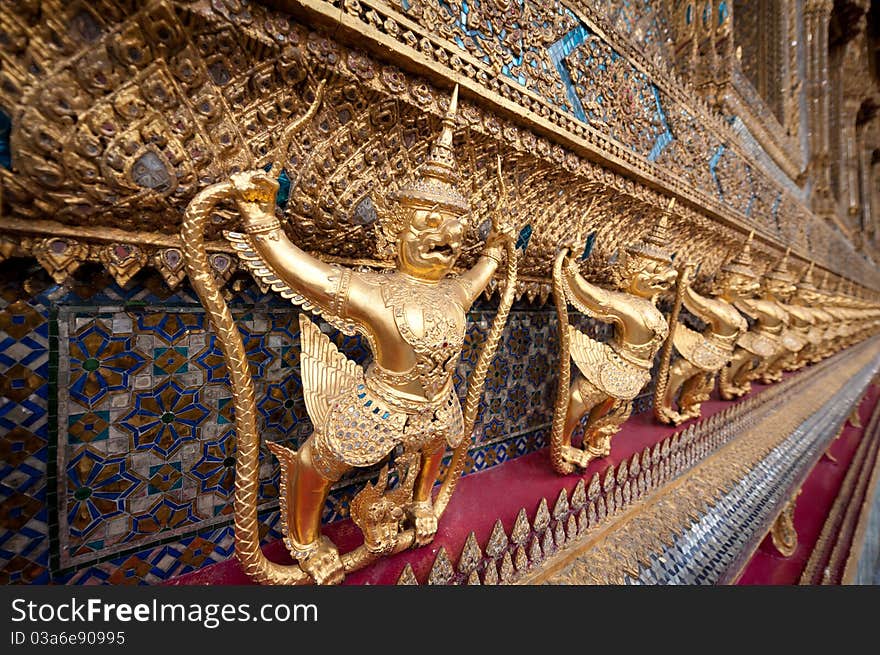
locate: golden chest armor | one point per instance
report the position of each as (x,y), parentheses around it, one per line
(438,344)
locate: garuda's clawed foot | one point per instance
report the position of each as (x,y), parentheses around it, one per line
(424,522)
(732,393)
(323,564)
(672,417)
(599,443)
(576,456)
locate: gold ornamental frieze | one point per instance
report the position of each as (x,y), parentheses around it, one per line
(132,113)
(484,47)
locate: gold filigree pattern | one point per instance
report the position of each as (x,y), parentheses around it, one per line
(177,94)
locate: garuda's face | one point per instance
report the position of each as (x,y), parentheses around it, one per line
(741,285)
(779,289)
(808,296)
(431,243)
(650,277)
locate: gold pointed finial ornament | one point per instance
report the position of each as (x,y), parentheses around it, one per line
(807,280)
(781,270)
(437,181)
(742,262)
(654,244)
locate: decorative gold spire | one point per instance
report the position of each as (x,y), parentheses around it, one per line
(781,270)
(437,179)
(807,280)
(654,244)
(742,262)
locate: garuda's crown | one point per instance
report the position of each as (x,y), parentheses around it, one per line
(654,245)
(437,179)
(781,271)
(807,280)
(742,263)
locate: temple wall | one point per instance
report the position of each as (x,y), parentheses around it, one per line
(116,433)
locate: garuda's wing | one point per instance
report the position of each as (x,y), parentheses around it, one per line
(747,308)
(601,365)
(268,279)
(326,372)
(793,341)
(694,347)
(757,343)
(587,353)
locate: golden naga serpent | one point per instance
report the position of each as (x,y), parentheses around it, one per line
(562,390)
(247,536)
(661,412)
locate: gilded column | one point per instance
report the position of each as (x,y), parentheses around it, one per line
(850,160)
(874,191)
(867,191)
(817,14)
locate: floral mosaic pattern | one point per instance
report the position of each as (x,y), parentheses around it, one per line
(618,98)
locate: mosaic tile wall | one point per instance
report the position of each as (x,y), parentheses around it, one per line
(24,438)
(116,436)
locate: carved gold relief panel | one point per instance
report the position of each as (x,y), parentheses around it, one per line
(121,112)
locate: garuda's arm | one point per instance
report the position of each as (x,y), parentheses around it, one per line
(700,306)
(475,279)
(748,308)
(589,298)
(333,291)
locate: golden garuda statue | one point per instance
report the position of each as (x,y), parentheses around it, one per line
(777,287)
(836,332)
(610,374)
(841,308)
(413,317)
(759,343)
(801,321)
(810,319)
(690,379)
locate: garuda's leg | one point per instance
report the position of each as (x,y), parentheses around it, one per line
(694,392)
(733,381)
(804,357)
(680,371)
(771,370)
(757,370)
(424,519)
(751,370)
(583,397)
(604,422)
(794,361)
(305,485)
